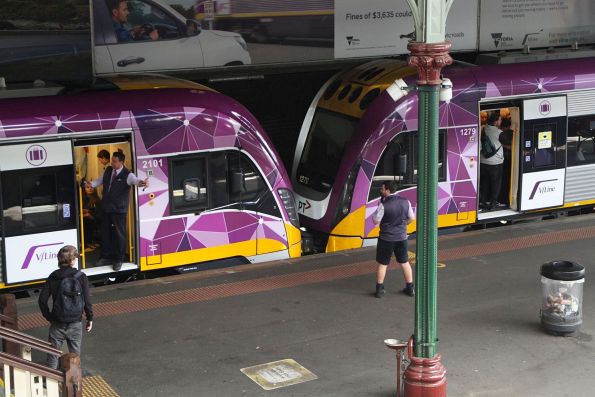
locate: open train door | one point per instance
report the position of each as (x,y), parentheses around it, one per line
(38,212)
(543,153)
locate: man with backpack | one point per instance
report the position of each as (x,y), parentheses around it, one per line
(491,159)
(69,289)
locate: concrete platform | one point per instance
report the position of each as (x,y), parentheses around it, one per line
(191,335)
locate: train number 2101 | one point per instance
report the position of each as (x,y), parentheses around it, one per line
(152,163)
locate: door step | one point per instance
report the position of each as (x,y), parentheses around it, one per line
(94,271)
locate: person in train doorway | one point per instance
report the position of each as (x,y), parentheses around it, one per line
(91,217)
(393,214)
(104,158)
(119,12)
(116,181)
(490,175)
(69,289)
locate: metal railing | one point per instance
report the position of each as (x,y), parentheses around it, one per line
(23,378)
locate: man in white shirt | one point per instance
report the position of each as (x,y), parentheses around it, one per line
(116,181)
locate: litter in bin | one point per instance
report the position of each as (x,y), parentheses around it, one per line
(562,305)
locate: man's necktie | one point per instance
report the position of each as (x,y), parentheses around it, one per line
(114,174)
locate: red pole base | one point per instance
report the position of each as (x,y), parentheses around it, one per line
(425,377)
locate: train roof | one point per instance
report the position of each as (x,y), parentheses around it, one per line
(525,78)
(116,93)
(352,91)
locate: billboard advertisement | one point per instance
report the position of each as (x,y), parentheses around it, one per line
(48,40)
(509,25)
(375,28)
(152,35)
(52,39)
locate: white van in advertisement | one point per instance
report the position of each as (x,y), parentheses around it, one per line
(149,35)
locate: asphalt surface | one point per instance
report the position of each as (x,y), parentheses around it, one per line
(319,311)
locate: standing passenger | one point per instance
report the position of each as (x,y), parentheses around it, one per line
(490,172)
(394,213)
(69,289)
(103,157)
(116,181)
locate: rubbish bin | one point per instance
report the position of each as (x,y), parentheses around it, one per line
(562,296)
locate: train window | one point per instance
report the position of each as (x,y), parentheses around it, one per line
(581,140)
(328,137)
(399,162)
(246,182)
(38,200)
(39,205)
(218,179)
(188,185)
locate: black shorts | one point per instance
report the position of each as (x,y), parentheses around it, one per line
(385,249)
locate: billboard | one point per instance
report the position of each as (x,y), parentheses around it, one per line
(52,39)
(375,28)
(152,35)
(509,25)
(48,40)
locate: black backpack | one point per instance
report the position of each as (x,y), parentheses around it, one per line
(69,303)
(487,147)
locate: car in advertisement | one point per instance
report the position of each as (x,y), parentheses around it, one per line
(149,35)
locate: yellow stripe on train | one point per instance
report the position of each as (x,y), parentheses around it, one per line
(342,236)
(244,248)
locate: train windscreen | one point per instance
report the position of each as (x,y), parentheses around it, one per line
(329,135)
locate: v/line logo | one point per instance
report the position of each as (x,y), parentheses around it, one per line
(542,189)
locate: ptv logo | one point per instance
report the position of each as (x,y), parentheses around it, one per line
(303,206)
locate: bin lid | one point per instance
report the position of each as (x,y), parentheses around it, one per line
(563,270)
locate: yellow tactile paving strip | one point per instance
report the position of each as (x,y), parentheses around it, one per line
(96,386)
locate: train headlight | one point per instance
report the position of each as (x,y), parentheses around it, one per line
(289,204)
(344,203)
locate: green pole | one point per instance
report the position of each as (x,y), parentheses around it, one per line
(426,335)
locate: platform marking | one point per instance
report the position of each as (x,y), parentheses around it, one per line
(412,260)
(278,374)
(96,386)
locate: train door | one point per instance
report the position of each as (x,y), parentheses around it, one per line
(38,208)
(92,157)
(542,153)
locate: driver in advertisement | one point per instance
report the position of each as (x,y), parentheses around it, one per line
(119,11)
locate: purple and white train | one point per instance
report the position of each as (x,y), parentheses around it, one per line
(218,189)
(355,135)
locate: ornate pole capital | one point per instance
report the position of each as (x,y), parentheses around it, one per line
(429,59)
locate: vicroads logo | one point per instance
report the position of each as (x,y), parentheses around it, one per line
(41,255)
